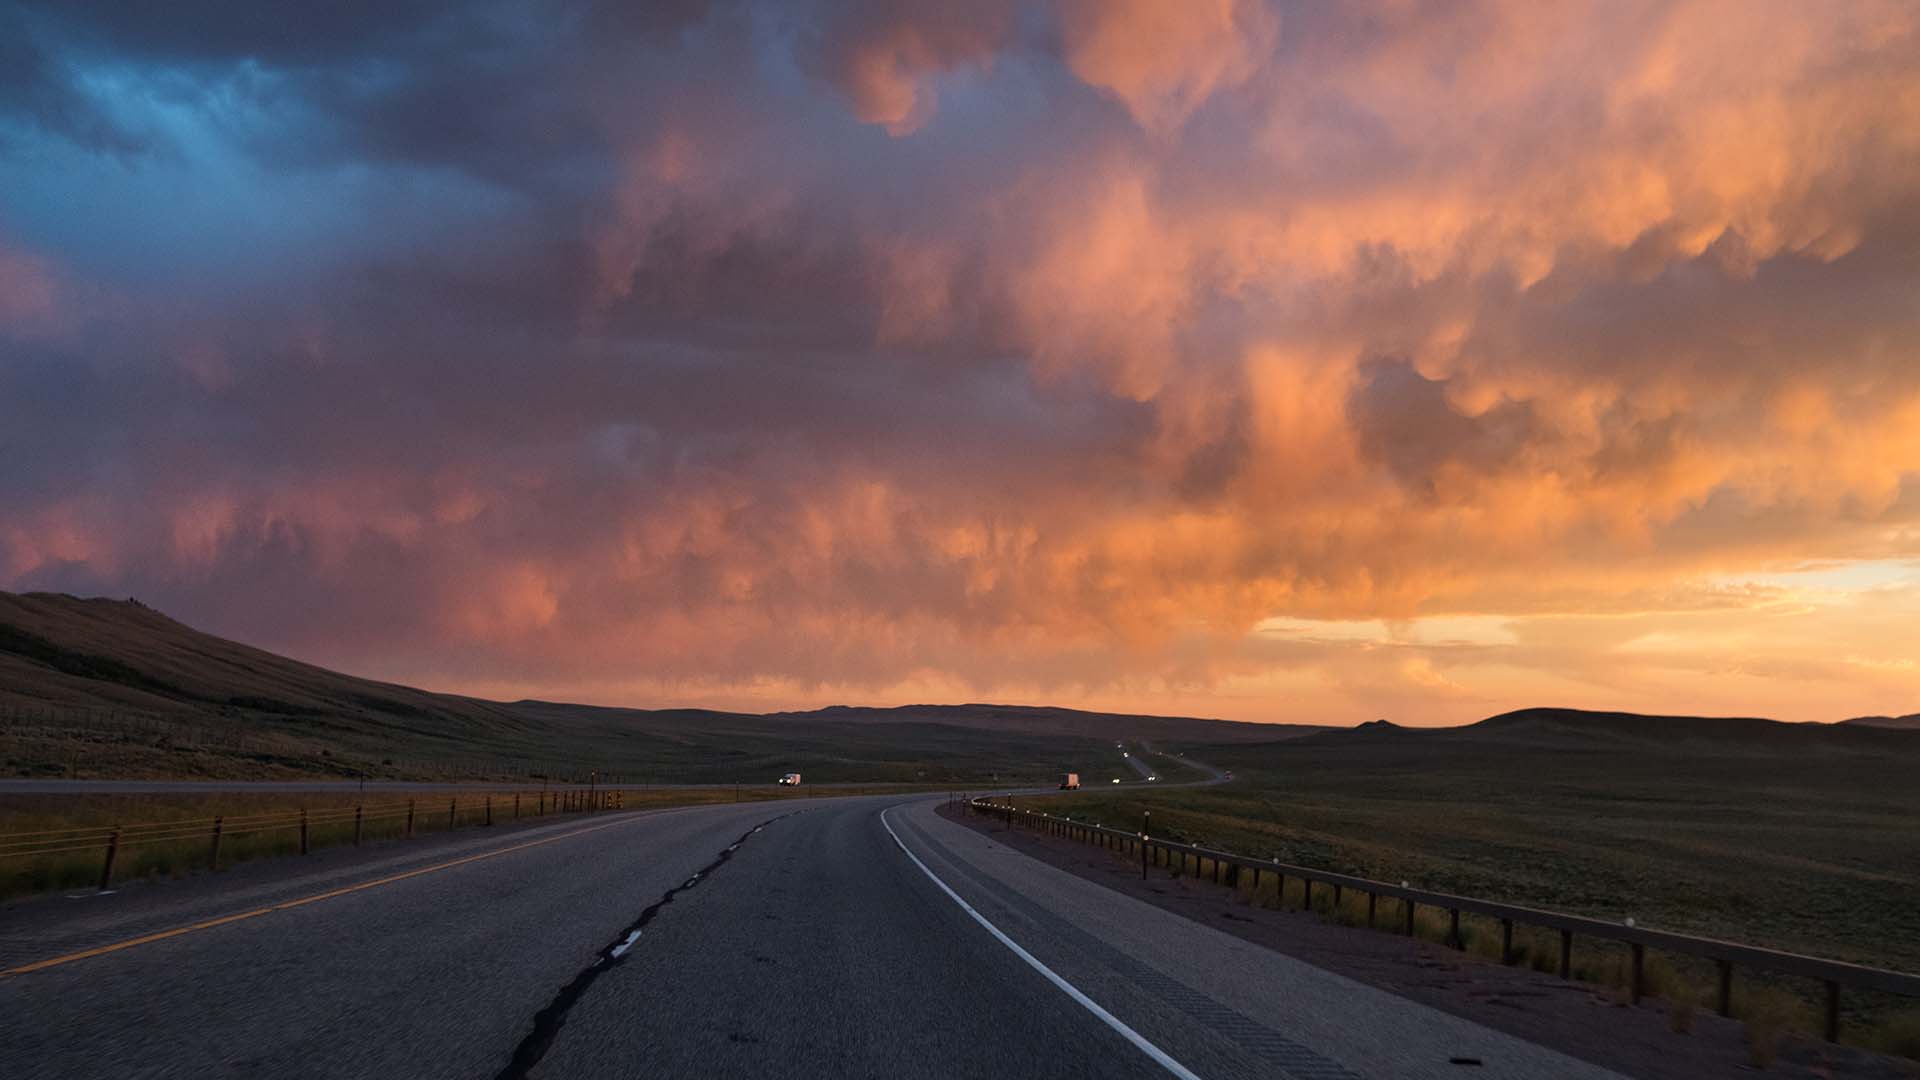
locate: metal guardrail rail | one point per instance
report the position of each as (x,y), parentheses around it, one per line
(1227,866)
(472,810)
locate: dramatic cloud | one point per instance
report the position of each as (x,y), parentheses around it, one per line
(1282,361)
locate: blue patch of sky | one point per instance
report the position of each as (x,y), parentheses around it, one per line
(201,201)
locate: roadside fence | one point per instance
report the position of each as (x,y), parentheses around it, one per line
(399,817)
(1226,868)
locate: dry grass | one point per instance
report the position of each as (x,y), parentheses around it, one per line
(1770,1007)
(384,817)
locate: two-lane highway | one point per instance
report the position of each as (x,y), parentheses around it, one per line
(846,937)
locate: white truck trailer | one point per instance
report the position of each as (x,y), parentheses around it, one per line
(1070,781)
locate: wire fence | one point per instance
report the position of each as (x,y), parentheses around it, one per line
(355,823)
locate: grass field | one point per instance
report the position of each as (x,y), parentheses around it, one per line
(260,825)
(1807,845)
(724,750)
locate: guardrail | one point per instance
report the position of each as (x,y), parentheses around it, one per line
(1726,955)
(110,840)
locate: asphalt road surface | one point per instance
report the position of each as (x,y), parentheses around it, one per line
(854,937)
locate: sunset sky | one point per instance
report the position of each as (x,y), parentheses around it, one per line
(1298,361)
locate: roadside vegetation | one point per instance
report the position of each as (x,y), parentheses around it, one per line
(1803,844)
(263,825)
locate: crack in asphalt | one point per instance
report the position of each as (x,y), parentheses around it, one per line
(548,1021)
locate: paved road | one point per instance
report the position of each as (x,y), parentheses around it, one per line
(855,937)
(223,787)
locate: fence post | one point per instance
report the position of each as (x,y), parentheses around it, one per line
(213,851)
(1409,907)
(1566,954)
(1373,900)
(106,868)
(1506,941)
(1726,987)
(1306,894)
(1453,928)
(1639,971)
(356,824)
(489,806)
(1146,834)
(452,805)
(516,806)
(1833,1011)
(409,819)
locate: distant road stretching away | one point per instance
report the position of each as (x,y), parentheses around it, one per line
(852,937)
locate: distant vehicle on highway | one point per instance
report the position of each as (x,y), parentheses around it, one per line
(1153,778)
(792,779)
(1070,781)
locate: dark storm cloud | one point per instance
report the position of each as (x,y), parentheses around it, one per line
(852,345)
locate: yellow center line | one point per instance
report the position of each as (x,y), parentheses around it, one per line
(301,902)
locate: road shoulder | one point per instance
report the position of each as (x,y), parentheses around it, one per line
(1575,1019)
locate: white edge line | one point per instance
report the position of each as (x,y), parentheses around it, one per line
(1165,1060)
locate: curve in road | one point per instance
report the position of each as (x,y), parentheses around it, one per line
(848,938)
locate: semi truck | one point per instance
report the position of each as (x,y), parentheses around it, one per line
(1070,781)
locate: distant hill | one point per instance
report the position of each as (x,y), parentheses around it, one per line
(1911,721)
(1581,728)
(74,660)
(1047,718)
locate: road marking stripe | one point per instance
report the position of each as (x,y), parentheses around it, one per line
(301,902)
(1165,1060)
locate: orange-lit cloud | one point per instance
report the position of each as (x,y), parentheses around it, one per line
(1279,361)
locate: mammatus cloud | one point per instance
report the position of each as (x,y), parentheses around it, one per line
(1289,362)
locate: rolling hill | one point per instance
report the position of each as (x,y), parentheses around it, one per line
(154,696)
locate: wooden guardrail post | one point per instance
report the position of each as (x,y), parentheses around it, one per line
(1725,1004)
(1373,900)
(106,867)
(1833,1011)
(516,806)
(453,804)
(356,824)
(488,801)
(1639,972)
(1566,954)
(1453,929)
(409,819)
(1408,904)
(213,849)
(303,830)
(1506,941)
